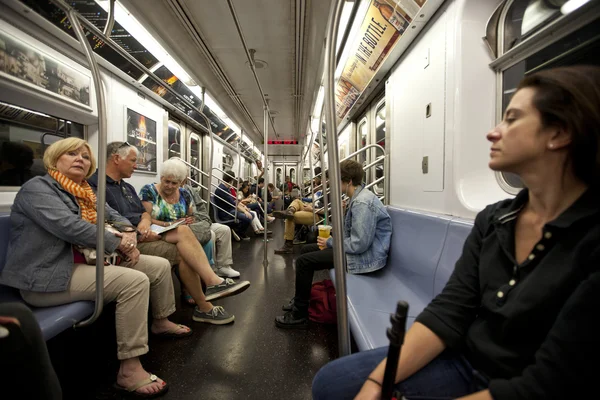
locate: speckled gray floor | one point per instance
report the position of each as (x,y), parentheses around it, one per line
(249,359)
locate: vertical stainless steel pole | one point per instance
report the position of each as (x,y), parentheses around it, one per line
(265,195)
(102,140)
(324,183)
(312,177)
(334,172)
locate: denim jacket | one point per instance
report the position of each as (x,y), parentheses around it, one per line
(367,233)
(45,224)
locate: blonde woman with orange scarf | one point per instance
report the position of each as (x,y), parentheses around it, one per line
(57,213)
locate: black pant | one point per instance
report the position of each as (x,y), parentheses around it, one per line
(312,259)
(24,361)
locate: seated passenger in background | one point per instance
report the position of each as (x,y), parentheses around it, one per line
(298,213)
(518,318)
(244,214)
(179,245)
(367,234)
(57,213)
(272,195)
(251,201)
(259,191)
(225,203)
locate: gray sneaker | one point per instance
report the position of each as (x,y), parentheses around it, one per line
(228,288)
(216,316)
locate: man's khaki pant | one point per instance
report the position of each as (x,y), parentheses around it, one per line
(300,217)
(130,288)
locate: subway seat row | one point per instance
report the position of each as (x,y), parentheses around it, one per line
(423,252)
(52,320)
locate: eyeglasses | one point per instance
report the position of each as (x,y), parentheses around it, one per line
(125,144)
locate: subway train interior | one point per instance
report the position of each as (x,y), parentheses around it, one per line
(282,90)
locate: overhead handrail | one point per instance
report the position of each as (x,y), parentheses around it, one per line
(110,19)
(102,140)
(339,256)
(131,59)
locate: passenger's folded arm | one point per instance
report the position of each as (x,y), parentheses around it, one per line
(564,364)
(52,214)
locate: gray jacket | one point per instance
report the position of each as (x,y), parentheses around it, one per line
(45,224)
(201,227)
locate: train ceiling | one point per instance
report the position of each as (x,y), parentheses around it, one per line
(287,36)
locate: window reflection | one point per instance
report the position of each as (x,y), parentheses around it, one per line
(174,140)
(24,137)
(362,141)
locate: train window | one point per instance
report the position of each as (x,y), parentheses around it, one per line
(278,180)
(380,126)
(580,47)
(293,175)
(525,17)
(94,13)
(174,140)
(24,137)
(362,140)
(195,158)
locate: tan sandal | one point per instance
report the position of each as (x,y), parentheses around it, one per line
(131,390)
(173,332)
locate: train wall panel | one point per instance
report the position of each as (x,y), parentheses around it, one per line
(453,138)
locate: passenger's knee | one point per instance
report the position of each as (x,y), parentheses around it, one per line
(138,281)
(320,384)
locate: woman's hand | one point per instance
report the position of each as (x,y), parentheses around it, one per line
(322,242)
(189,220)
(152,237)
(247,214)
(134,257)
(369,391)
(144,229)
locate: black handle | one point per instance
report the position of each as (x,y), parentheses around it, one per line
(396,336)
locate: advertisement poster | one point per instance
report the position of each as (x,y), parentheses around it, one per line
(23,62)
(141,133)
(385,22)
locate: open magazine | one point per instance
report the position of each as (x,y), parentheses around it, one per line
(162,229)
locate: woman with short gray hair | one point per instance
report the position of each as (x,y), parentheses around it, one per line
(167,202)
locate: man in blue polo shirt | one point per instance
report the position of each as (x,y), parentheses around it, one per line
(121,196)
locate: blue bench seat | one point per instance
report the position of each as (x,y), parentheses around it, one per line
(422,255)
(52,320)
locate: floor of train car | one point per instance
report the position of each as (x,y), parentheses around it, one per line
(249,359)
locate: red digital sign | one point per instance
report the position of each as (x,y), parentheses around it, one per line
(282,142)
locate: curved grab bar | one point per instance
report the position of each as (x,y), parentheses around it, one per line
(102,140)
(110,20)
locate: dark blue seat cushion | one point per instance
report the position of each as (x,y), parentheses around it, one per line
(52,320)
(416,248)
(458,230)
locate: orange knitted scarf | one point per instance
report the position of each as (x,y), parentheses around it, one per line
(86,198)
